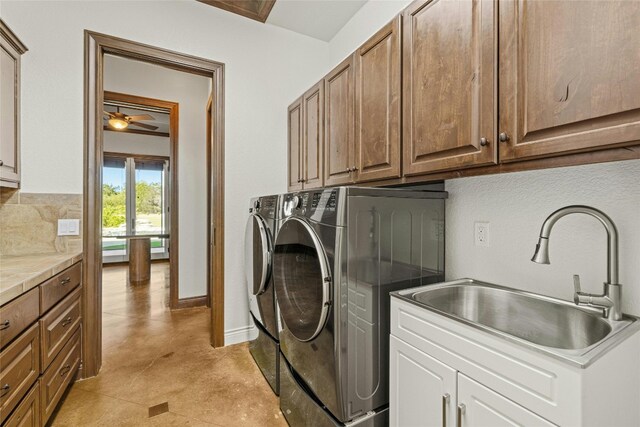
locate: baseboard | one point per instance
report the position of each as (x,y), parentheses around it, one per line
(238,335)
(193,302)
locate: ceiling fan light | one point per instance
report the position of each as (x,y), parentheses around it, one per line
(117,123)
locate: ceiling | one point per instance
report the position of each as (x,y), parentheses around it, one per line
(161,119)
(320,19)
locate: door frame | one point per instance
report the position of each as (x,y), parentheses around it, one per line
(96,45)
(173,108)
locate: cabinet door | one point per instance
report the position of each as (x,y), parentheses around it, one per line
(313,136)
(339,124)
(422,390)
(569,76)
(294,127)
(9,114)
(378,105)
(480,407)
(449,85)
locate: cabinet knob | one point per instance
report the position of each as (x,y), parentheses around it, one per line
(354,169)
(484,142)
(1,163)
(348,170)
(503,137)
(4,390)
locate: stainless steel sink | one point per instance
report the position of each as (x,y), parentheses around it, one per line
(551,325)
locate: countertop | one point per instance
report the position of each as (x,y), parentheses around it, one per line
(21,273)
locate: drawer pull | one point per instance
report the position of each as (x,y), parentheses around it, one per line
(65,281)
(4,390)
(65,370)
(5,325)
(66,321)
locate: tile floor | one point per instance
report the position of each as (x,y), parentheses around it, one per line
(158,362)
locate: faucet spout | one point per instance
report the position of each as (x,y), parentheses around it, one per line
(610,300)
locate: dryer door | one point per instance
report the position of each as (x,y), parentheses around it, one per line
(257,254)
(302,279)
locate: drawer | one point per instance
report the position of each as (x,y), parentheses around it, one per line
(27,414)
(59,286)
(58,376)
(18,315)
(19,369)
(57,326)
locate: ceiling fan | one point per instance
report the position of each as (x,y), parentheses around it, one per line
(120,121)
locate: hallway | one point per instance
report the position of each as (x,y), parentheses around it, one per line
(158,368)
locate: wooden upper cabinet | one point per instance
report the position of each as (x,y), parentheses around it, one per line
(294,127)
(378,105)
(569,76)
(313,137)
(10,51)
(449,85)
(339,124)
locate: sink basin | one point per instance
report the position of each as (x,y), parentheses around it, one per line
(556,327)
(538,321)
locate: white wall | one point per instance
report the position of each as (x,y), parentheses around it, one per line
(516,205)
(369,19)
(136,143)
(191,92)
(266,67)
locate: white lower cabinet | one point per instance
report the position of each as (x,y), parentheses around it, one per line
(425,392)
(479,406)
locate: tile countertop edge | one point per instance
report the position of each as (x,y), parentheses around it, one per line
(20,274)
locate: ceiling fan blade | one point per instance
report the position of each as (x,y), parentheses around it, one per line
(144,125)
(108,113)
(141,117)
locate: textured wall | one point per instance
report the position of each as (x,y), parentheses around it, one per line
(29,222)
(516,205)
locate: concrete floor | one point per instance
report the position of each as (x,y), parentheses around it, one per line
(158,368)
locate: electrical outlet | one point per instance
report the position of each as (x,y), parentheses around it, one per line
(481,235)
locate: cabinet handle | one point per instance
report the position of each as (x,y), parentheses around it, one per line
(65,369)
(5,325)
(484,142)
(65,281)
(348,170)
(66,321)
(354,169)
(445,404)
(503,137)
(4,390)
(461,410)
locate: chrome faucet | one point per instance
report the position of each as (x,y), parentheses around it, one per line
(609,301)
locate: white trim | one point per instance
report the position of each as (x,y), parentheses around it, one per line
(242,334)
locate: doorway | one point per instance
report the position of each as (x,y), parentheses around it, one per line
(96,47)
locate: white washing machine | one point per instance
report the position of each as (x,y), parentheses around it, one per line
(260,233)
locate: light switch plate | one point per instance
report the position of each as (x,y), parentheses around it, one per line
(68,227)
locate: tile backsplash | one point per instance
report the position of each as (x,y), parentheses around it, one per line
(29,222)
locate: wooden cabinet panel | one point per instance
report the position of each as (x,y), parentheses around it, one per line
(10,51)
(422,390)
(56,288)
(378,104)
(449,84)
(313,137)
(59,375)
(339,124)
(484,407)
(57,326)
(569,76)
(17,315)
(19,369)
(294,126)
(27,414)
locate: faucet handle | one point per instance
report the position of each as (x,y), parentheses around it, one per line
(576,283)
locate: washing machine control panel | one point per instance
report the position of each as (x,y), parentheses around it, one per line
(317,205)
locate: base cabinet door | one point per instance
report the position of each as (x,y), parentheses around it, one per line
(479,406)
(422,390)
(449,102)
(569,76)
(27,414)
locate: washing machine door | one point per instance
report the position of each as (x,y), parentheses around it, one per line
(302,279)
(257,246)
